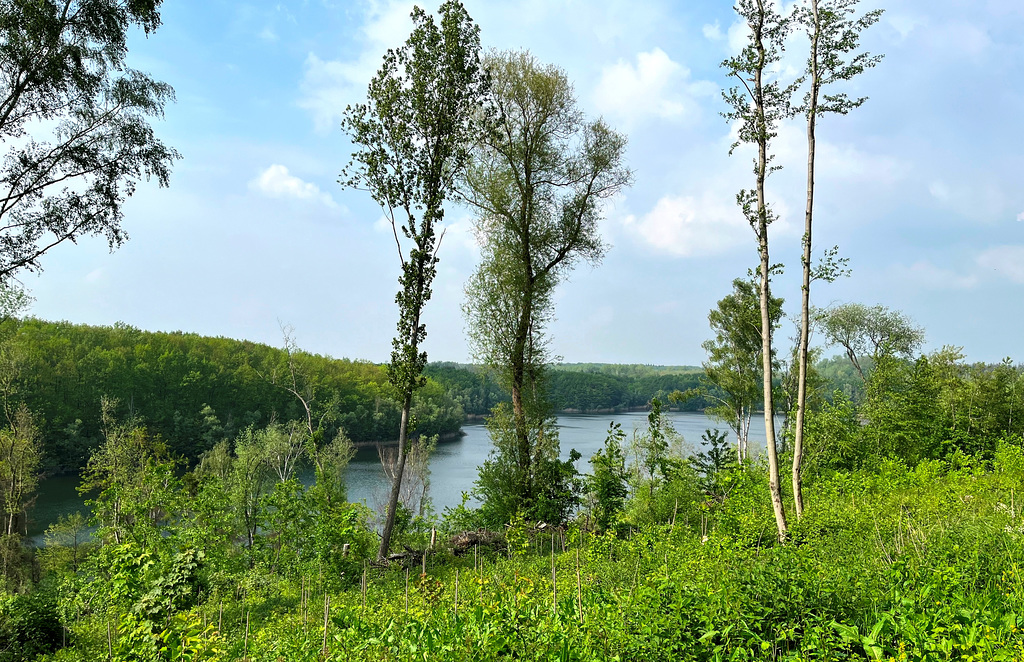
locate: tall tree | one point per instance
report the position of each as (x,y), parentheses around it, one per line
(14,300)
(833,33)
(412,140)
(734,358)
(537,181)
(607,485)
(757,105)
(75,118)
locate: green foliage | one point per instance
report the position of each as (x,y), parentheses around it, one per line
(413,137)
(193,391)
(577,387)
(934,407)
(134,482)
(717,458)
(20,456)
(29,625)
(656,451)
(891,562)
(68,542)
(717,589)
(734,366)
(544,488)
(75,121)
(176,587)
(869,331)
(833,432)
(608,486)
(474,388)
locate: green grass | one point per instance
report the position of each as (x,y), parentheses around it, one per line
(922,564)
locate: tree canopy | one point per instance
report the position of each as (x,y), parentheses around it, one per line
(75,119)
(536,181)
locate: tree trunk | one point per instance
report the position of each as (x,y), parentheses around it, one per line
(396,484)
(524,451)
(805,292)
(421,284)
(766,323)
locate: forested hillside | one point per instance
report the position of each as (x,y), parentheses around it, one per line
(577,387)
(193,391)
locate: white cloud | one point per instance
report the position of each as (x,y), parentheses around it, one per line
(689,226)
(833,160)
(738,35)
(1020,216)
(960,37)
(973,199)
(956,37)
(656,86)
(926,274)
(328,86)
(904,24)
(712,31)
(277,182)
(268,34)
(382,224)
(96,275)
(1007,261)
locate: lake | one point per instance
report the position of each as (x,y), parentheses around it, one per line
(453,467)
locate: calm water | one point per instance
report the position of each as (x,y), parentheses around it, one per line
(453,467)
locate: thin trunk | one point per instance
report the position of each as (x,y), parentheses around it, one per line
(396,484)
(766,323)
(805,293)
(518,384)
(409,387)
(519,421)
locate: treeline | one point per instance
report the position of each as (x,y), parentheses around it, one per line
(193,391)
(576,387)
(936,407)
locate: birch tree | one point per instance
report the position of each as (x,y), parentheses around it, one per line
(734,359)
(74,119)
(757,105)
(833,33)
(20,455)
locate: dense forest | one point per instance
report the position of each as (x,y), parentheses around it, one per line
(594,387)
(193,391)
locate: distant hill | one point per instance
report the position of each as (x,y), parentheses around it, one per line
(582,387)
(193,390)
(628,369)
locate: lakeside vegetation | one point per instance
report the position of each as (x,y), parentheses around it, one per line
(910,549)
(590,387)
(901,538)
(193,391)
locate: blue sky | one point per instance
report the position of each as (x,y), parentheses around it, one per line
(922,188)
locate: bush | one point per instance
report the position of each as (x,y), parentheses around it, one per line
(29,626)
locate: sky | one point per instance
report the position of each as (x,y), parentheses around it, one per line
(922,188)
